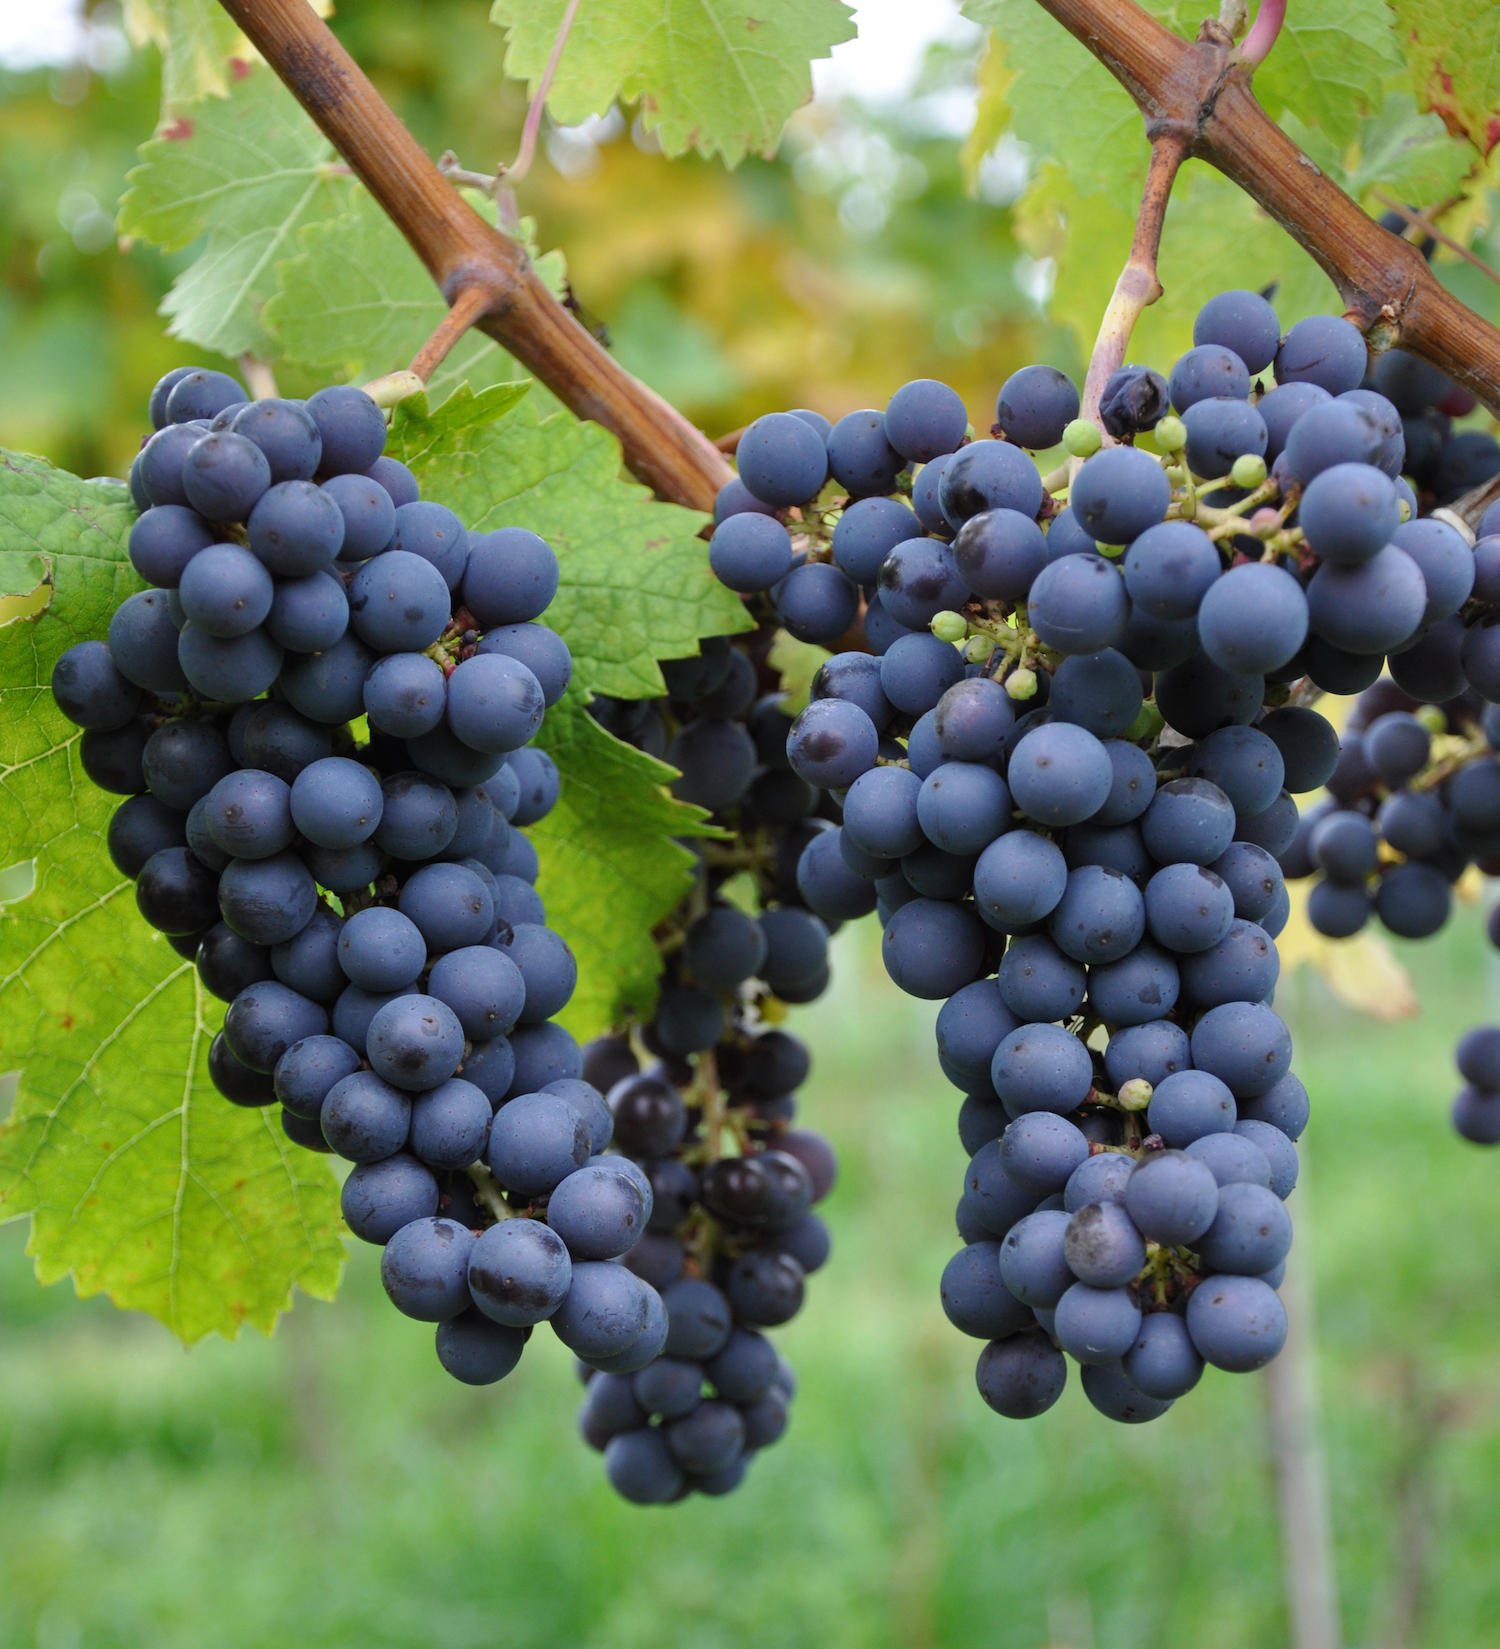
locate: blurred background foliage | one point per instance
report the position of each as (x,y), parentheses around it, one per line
(855,259)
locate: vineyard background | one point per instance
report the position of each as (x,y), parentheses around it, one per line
(331,1484)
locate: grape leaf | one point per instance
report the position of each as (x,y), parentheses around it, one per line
(1452,52)
(635,584)
(196,39)
(718,76)
(610,870)
(992,113)
(1330,65)
(354,300)
(247,171)
(1401,151)
(1064,102)
(140,1180)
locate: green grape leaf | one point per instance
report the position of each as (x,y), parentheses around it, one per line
(1452,50)
(718,76)
(140,1180)
(248,171)
(353,299)
(196,39)
(1064,102)
(1330,65)
(635,581)
(610,869)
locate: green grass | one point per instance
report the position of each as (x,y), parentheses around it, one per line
(333,1487)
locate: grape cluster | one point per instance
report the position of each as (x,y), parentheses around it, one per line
(1476,1110)
(1413,801)
(729,1240)
(367,909)
(1065,773)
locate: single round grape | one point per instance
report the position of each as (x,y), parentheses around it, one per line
(1021,1376)
(916,670)
(1253,619)
(932,948)
(926,419)
(1245,1045)
(511,576)
(1035,405)
(267,900)
(1018,880)
(164,540)
(989,475)
(1118,494)
(415,1042)
(1205,371)
(1236,1323)
(351,429)
(248,814)
(200,393)
(379,1198)
(266,1019)
(782,460)
(860,458)
(143,643)
(308,615)
(175,893)
(816,602)
(1324,350)
(368,512)
(1100,691)
(1242,322)
(309,1070)
(140,827)
(399,603)
(1079,604)
(1060,774)
(365,1119)
(1041,1067)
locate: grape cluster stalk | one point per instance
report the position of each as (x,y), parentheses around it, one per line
(1064,774)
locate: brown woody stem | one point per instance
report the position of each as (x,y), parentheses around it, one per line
(467,308)
(1200,87)
(1137,287)
(461,251)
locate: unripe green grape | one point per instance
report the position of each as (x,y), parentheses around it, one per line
(950,626)
(1135,1095)
(1249,471)
(1082,438)
(1171,434)
(1021,684)
(979,648)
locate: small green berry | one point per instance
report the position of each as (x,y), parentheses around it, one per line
(1135,1095)
(1021,684)
(1249,471)
(1432,718)
(950,626)
(1113,551)
(1171,434)
(1082,438)
(979,648)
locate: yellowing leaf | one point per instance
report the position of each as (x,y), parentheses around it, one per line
(1452,52)
(992,117)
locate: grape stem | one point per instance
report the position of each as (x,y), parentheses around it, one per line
(487,1192)
(468,306)
(1137,288)
(521,165)
(1262,36)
